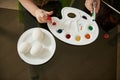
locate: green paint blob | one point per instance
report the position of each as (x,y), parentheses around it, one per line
(90,28)
(92,14)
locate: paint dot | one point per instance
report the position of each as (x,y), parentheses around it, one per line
(49,18)
(71,15)
(93,20)
(68,36)
(77,38)
(59,30)
(90,28)
(84,17)
(54,23)
(87,36)
(106,36)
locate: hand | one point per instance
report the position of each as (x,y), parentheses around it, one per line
(42,15)
(89,5)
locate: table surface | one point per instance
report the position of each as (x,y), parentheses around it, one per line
(94,61)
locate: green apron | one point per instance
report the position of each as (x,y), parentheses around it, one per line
(66,3)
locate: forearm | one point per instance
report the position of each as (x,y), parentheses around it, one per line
(29,5)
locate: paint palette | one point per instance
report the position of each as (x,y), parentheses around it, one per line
(76,27)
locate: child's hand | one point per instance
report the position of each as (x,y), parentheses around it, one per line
(42,15)
(89,5)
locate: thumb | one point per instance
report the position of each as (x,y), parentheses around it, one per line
(50,13)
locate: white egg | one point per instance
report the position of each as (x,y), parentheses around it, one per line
(25,47)
(36,49)
(37,35)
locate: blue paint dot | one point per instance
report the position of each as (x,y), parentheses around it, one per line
(59,30)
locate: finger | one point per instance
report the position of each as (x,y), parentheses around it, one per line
(97,7)
(90,8)
(89,5)
(41,15)
(49,21)
(44,18)
(49,18)
(41,20)
(49,13)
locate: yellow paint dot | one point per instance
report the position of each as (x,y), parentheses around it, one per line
(77,38)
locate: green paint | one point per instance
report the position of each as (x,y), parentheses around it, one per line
(92,14)
(90,28)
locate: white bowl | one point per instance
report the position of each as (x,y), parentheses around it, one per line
(39,51)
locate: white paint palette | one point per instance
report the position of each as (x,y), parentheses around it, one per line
(76,27)
(36,46)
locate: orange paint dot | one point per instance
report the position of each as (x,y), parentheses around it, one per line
(87,36)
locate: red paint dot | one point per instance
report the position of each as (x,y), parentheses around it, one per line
(54,23)
(106,36)
(68,36)
(49,18)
